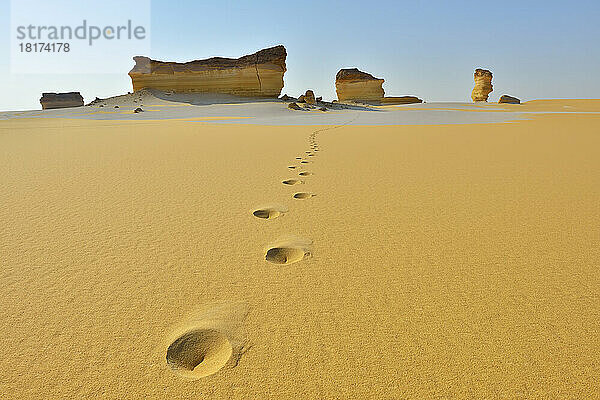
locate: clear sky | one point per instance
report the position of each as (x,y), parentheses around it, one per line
(536,49)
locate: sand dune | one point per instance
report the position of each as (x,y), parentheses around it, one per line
(163,258)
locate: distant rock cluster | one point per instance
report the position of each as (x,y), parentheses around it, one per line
(61,100)
(259,75)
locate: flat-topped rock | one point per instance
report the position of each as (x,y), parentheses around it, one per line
(506,99)
(483,85)
(61,100)
(255,75)
(397,100)
(351,84)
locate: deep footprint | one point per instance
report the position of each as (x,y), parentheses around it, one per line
(305,173)
(303,195)
(286,254)
(199,353)
(269,212)
(292,182)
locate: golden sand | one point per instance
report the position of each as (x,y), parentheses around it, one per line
(456,261)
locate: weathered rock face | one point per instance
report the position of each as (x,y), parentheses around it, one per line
(309,97)
(354,85)
(61,100)
(256,75)
(483,85)
(508,100)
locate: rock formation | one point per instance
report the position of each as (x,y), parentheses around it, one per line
(483,85)
(294,106)
(285,97)
(508,100)
(256,75)
(354,85)
(401,100)
(61,100)
(357,86)
(309,97)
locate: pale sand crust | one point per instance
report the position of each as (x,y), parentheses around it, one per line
(455,261)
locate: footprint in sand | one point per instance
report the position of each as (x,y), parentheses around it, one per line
(298,158)
(269,212)
(305,173)
(288,251)
(292,182)
(199,353)
(303,195)
(292,167)
(304,162)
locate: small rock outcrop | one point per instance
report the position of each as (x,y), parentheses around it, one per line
(255,75)
(400,100)
(285,97)
(138,110)
(483,85)
(351,84)
(61,100)
(97,100)
(294,106)
(506,99)
(309,97)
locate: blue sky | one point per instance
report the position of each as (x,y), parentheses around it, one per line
(536,49)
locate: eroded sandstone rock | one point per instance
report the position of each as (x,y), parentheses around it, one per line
(309,97)
(351,84)
(483,85)
(61,100)
(285,97)
(506,99)
(400,100)
(255,75)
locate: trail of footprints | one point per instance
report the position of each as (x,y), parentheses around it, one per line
(203,350)
(291,250)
